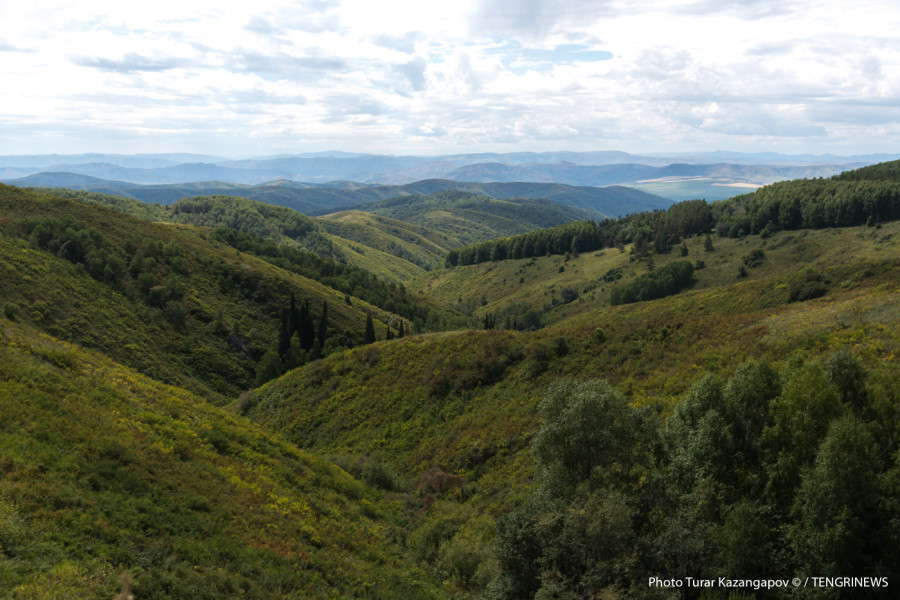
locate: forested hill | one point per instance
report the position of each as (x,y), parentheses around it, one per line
(886,171)
(865,196)
(469,217)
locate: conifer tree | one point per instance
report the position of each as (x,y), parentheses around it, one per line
(306,328)
(370,329)
(294,316)
(390,334)
(322,334)
(400,330)
(284,334)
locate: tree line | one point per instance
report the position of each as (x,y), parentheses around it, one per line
(866,196)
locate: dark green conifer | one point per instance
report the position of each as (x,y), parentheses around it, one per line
(370,329)
(322,334)
(306,329)
(284,333)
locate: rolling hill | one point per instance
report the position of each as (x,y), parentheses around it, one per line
(605,423)
(320,199)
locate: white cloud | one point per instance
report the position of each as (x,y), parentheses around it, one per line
(471,75)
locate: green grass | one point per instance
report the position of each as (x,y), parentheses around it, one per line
(106,471)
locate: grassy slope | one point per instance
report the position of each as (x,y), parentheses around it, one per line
(469,218)
(465,403)
(106,471)
(56,296)
(393,250)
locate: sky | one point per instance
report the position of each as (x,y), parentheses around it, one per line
(266,77)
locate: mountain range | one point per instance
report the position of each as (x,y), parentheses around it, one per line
(679,173)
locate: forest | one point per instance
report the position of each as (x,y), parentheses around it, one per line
(863,197)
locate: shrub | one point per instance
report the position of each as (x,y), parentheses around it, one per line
(755,258)
(811,286)
(11,310)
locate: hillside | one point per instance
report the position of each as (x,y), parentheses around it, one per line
(162,299)
(462,409)
(710,390)
(109,477)
(468,218)
(393,249)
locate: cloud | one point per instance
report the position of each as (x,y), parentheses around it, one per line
(745,9)
(412,73)
(515,74)
(131,63)
(532,20)
(284,64)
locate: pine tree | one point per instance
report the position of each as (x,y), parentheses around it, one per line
(400,330)
(284,334)
(294,316)
(323,325)
(370,329)
(390,334)
(306,328)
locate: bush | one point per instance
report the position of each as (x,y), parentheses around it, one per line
(811,286)
(11,310)
(755,258)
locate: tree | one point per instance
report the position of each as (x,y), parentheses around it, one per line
(269,368)
(370,329)
(841,526)
(588,434)
(306,329)
(322,334)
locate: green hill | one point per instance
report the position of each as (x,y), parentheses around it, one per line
(470,218)
(107,472)
(393,249)
(463,408)
(160,298)
(664,403)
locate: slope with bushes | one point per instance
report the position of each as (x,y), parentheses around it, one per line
(456,414)
(159,298)
(109,473)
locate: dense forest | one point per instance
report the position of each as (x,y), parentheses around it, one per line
(863,197)
(765,477)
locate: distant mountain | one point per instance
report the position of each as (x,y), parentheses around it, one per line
(139,161)
(573,168)
(316,200)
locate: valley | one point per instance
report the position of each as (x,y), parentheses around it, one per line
(504,397)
